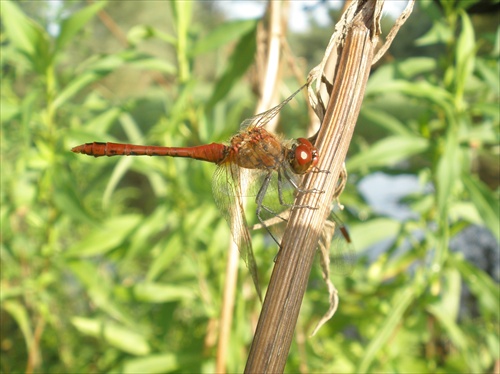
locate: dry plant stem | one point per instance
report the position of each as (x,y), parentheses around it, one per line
(227,311)
(112,26)
(281,307)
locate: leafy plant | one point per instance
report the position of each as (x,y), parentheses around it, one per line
(117,264)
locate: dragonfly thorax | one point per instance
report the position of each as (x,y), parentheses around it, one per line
(256,149)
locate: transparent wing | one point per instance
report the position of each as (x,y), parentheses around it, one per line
(336,237)
(227,191)
(262,118)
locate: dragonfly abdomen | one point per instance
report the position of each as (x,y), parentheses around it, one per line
(213,152)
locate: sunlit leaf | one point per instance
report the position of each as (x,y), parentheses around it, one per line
(163,363)
(106,237)
(238,64)
(223,34)
(73,24)
(388,152)
(118,336)
(160,293)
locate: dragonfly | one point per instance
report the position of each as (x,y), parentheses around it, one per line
(254,151)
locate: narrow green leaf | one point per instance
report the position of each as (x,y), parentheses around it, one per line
(374,231)
(183,13)
(222,35)
(155,64)
(121,168)
(19,313)
(73,24)
(164,363)
(100,290)
(388,152)
(118,336)
(440,32)
(106,237)
(447,170)
(161,293)
(385,121)
(143,32)
(399,304)
(74,87)
(450,325)
(465,56)
(484,288)
(166,257)
(94,71)
(100,124)
(421,90)
(23,32)
(486,203)
(28,37)
(239,62)
(70,204)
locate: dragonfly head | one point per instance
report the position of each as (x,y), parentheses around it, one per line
(303,156)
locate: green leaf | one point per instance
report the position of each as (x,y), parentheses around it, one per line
(121,168)
(373,231)
(465,56)
(399,304)
(182,11)
(439,33)
(100,290)
(68,202)
(449,324)
(239,62)
(447,171)
(74,87)
(73,24)
(388,152)
(143,32)
(118,336)
(161,293)
(100,124)
(23,32)
(27,36)
(484,288)
(222,35)
(155,64)
(485,201)
(164,363)
(166,257)
(19,313)
(106,237)
(97,69)
(386,121)
(421,90)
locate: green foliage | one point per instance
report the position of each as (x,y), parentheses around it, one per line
(118,264)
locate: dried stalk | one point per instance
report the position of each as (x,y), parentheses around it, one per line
(289,279)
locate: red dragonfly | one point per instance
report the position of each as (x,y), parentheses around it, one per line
(253,150)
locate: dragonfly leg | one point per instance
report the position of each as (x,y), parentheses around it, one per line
(296,186)
(280,192)
(260,206)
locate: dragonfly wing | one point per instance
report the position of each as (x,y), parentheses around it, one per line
(227,190)
(337,241)
(262,118)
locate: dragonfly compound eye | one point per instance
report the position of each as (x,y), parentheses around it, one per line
(304,156)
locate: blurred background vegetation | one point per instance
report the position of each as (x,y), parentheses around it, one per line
(117,265)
